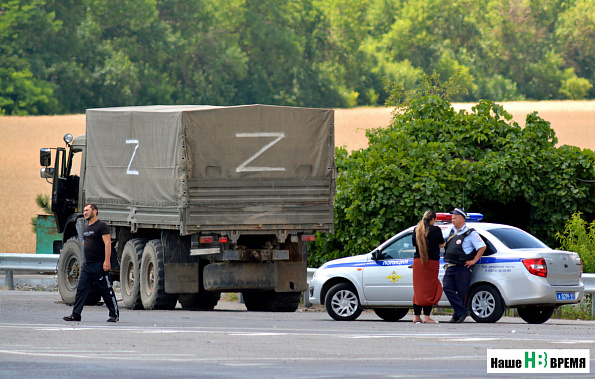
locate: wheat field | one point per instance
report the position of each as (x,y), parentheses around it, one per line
(22,137)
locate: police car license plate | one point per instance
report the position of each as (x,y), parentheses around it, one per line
(565,296)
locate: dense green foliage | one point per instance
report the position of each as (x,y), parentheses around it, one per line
(432,157)
(579,236)
(63,56)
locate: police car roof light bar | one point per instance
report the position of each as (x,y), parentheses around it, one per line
(447,217)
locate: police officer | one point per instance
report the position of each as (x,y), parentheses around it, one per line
(463,249)
(97,248)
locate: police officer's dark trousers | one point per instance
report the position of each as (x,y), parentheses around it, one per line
(92,272)
(455,284)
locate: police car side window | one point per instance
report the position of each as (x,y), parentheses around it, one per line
(400,249)
(490,248)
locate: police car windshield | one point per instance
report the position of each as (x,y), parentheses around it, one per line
(517,239)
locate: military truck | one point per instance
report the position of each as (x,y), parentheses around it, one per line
(200,200)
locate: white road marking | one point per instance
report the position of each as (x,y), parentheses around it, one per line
(226,361)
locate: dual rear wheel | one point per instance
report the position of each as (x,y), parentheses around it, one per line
(142,276)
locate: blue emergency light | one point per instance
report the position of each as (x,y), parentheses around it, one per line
(474,217)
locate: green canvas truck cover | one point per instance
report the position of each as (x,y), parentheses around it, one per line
(218,167)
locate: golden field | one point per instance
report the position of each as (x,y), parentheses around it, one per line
(22,137)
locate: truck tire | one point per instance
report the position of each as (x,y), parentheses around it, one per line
(70,263)
(130,273)
(271,301)
(152,278)
(203,300)
(69,267)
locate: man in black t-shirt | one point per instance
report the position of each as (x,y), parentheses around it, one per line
(97,249)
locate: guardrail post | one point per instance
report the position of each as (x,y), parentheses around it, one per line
(307,303)
(9,280)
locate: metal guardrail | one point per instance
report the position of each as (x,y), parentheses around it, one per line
(589,281)
(26,262)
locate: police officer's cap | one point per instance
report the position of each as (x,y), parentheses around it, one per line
(460,212)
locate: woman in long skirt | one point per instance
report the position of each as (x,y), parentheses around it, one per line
(427,289)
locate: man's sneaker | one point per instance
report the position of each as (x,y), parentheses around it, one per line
(71,318)
(463,317)
(453,320)
(113,319)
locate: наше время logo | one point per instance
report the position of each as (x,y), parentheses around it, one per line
(538,361)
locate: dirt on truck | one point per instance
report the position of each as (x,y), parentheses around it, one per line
(200,200)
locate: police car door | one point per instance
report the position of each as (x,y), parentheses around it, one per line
(388,280)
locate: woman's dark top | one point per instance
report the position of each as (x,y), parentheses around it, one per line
(435,239)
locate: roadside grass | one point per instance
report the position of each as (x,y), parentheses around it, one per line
(580,311)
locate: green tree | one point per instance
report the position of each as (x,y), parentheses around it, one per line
(22,27)
(575,37)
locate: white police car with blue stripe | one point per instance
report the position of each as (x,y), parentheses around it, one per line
(516,271)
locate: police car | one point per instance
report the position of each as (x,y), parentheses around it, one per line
(516,271)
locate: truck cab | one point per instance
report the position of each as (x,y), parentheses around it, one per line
(67,181)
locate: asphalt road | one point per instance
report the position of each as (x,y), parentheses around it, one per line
(230,342)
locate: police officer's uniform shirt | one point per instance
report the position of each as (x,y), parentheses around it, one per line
(472,242)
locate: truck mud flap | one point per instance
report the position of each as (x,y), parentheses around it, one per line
(181,278)
(231,276)
(291,277)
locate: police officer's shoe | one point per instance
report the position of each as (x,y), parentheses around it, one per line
(453,320)
(463,317)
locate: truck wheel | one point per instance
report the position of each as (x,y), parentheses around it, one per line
(70,263)
(391,314)
(202,300)
(536,314)
(342,302)
(486,304)
(130,273)
(69,266)
(271,301)
(152,278)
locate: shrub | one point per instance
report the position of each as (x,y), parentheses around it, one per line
(579,236)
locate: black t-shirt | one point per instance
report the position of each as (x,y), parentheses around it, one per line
(93,241)
(435,239)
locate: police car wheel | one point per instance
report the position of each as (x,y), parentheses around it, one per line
(486,304)
(536,314)
(342,302)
